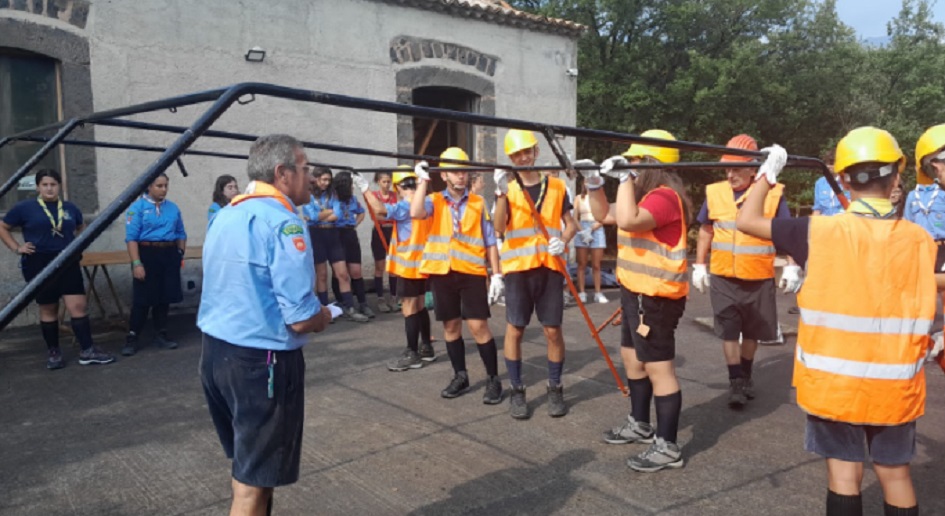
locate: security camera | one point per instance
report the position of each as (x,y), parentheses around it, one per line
(571,72)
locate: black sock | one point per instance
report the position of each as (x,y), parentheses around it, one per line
(641,393)
(844,505)
(336,288)
(892,510)
(667,415)
(322,297)
(490,357)
(50,333)
(139,314)
(159,313)
(392,285)
(379,286)
(746,367)
(735,371)
(412,327)
(83,331)
(425,326)
(357,285)
(456,349)
(347,300)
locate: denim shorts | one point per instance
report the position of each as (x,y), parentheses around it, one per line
(886,445)
(599,241)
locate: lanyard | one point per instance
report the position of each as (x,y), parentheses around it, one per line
(926,208)
(157,204)
(56,226)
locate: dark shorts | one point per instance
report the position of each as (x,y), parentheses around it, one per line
(326,245)
(886,445)
(458,295)
(661,314)
(939,256)
(262,435)
(161,285)
(350,244)
(69,282)
(407,287)
(744,307)
(378,250)
(537,290)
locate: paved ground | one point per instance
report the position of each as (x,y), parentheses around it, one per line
(135,437)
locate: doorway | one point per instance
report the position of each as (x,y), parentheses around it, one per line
(432,137)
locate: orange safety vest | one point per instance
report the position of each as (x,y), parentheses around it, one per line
(866,312)
(650,267)
(461,252)
(736,254)
(524,247)
(403,258)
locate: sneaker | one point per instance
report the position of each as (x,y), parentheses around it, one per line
(94,355)
(632,431)
(426,352)
(54,361)
(366,311)
(556,405)
(736,395)
(582,296)
(600,298)
(354,316)
(659,455)
(493,394)
(518,407)
(568,300)
(749,388)
(131,343)
(382,306)
(457,387)
(408,360)
(162,342)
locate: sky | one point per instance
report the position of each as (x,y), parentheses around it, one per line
(869,17)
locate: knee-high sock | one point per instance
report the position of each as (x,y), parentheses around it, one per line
(425,325)
(412,326)
(667,415)
(844,505)
(83,331)
(392,285)
(641,394)
(336,288)
(322,297)
(379,286)
(554,373)
(159,313)
(50,332)
(490,357)
(514,369)
(347,300)
(357,285)
(139,314)
(456,349)
(892,510)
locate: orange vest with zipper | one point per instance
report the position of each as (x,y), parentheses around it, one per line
(445,251)
(736,254)
(866,311)
(524,247)
(403,258)
(650,267)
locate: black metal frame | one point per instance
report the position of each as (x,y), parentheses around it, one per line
(223,98)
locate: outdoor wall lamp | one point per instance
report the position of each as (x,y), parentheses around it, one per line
(255,55)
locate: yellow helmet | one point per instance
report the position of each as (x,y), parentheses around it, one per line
(519,139)
(661,154)
(402,172)
(931,140)
(865,145)
(454,153)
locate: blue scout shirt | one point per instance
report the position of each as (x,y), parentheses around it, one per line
(258,276)
(347,212)
(399,212)
(315,206)
(38,229)
(825,199)
(926,207)
(146,222)
(488,231)
(213,210)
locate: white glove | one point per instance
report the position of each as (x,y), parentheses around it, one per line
(700,277)
(360,182)
(790,279)
(556,246)
(938,345)
(607,168)
(335,310)
(586,236)
(773,165)
(421,170)
(501,181)
(496,288)
(592,178)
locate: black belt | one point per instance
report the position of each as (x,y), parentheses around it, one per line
(158,244)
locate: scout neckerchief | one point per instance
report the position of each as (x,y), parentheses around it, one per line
(926,208)
(157,204)
(455,207)
(541,193)
(56,224)
(874,207)
(260,190)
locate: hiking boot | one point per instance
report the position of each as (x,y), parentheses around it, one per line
(457,387)
(518,407)
(131,345)
(382,306)
(632,431)
(556,405)
(354,316)
(426,352)
(736,394)
(659,455)
(161,341)
(366,311)
(94,355)
(408,360)
(749,388)
(54,361)
(493,394)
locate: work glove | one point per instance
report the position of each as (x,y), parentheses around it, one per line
(773,165)
(360,182)
(496,288)
(791,279)
(700,277)
(586,236)
(622,175)
(555,246)
(501,181)
(334,310)
(938,345)
(421,170)
(592,178)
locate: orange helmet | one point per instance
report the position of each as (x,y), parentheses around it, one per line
(741,141)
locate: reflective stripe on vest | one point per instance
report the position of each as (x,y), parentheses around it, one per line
(461,252)
(857,369)
(852,324)
(764,250)
(524,247)
(404,258)
(736,254)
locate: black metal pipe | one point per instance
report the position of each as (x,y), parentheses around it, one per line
(21,172)
(130,146)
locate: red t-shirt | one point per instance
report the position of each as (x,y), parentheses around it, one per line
(390,198)
(663,204)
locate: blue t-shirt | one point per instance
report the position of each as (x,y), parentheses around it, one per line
(213,210)
(782,213)
(315,206)
(825,200)
(488,230)
(258,276)
(147,221)
(926,207)
(347,212)
(38,229)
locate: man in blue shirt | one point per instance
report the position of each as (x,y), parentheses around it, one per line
(256,308)
(826,201)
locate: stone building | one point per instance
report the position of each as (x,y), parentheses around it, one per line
(65,58)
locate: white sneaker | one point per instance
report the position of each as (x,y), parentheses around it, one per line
(582,296)
(601,298)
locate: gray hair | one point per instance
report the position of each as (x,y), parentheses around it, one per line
(267,153)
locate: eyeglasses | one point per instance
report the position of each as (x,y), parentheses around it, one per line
(408,185)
